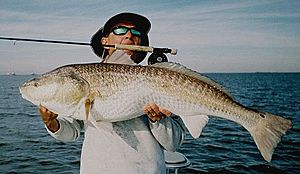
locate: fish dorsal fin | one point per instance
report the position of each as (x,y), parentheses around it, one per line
(184,70)
(195,124)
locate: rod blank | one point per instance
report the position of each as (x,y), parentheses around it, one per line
(46,41)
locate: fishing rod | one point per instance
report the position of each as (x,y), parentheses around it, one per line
(158,54)
(116,46)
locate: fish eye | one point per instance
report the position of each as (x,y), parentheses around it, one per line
(35,84)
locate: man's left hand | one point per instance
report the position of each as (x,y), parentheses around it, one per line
(156,113)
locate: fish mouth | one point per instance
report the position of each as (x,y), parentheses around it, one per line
(23,92)
(21,89)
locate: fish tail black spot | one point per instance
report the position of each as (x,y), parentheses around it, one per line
(262,115)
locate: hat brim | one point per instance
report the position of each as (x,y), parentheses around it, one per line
(96,42)
(141,22)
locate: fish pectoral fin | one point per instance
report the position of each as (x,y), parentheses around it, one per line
(195,124)
(88,105)
(83,109)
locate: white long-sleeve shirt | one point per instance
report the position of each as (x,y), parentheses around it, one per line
(134,146)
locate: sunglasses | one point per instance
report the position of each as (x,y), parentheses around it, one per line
(122,30)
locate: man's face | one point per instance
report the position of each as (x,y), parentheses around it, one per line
(128,38)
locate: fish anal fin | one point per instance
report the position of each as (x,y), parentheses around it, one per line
(195,124)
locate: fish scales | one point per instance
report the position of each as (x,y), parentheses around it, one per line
(114,77)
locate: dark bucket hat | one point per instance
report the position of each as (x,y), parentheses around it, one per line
(141,22)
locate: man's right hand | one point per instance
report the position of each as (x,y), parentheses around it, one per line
(49,119)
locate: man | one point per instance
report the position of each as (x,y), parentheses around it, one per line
(131,146)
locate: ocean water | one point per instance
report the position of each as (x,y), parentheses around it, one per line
(224,146)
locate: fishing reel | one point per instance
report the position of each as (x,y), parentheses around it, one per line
(157,57)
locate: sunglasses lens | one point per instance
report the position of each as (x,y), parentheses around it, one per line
(120,30)
(135,32)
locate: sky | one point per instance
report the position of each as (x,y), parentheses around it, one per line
(210,35)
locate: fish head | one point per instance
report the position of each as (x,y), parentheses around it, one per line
(60,92)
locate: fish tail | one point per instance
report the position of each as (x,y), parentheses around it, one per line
(268,132)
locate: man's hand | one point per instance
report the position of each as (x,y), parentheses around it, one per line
(156,113)
(49,119)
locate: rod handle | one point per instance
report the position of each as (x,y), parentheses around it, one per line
(172,51)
